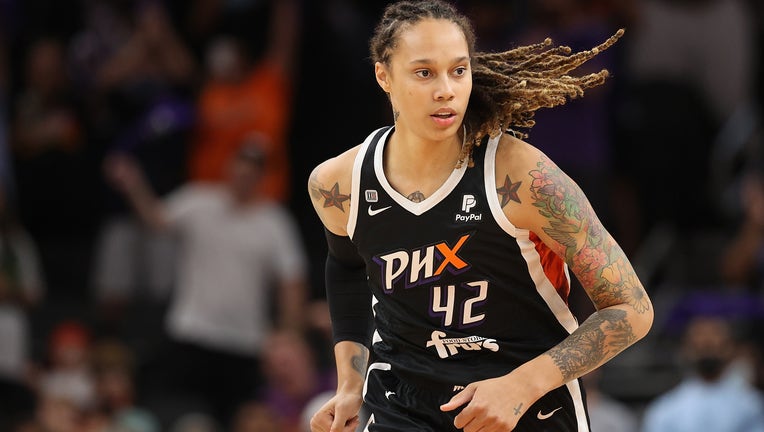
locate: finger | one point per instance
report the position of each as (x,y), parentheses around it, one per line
(466,423)
(459,399)
(321,422)
(352,424)
(342,422)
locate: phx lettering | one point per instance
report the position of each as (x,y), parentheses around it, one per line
(419,265)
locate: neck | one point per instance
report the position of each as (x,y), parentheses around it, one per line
(410,153)
(242,199)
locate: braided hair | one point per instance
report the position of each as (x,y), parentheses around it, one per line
(507,87)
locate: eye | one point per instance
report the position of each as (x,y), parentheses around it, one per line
(423,73)
(460,71)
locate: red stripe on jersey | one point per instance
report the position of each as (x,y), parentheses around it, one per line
(554,267)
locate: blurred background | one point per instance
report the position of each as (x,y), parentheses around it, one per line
(138,139)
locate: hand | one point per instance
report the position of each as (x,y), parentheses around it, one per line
(339,414)
(122,172)
(494,404)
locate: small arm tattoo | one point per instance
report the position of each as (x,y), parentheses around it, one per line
(333,197)
(508,191)
(315,186)
(518,409)
(359,361)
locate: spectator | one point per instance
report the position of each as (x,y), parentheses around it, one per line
(686,83)
(671,42)
(194,422)
(233,245)
(21,290)
(742,263)
(712,397)
(240,95)
(606,413)
(113,365)
(140,92)
(255,416)
(68,377)
(293,378)
(66,387)
(50,161)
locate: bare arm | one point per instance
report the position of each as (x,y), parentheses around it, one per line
(559,213)
(126,176)
(341,412)
(329,190)
(538,196)
(292,303)
(284,35)
(738,261)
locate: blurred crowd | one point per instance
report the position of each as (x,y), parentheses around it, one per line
(161,267)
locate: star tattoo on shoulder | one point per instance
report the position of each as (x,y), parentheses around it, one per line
(333,197)
(508,191)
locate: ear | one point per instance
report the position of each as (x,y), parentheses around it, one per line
(383,76)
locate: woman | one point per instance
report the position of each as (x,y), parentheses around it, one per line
(464,235)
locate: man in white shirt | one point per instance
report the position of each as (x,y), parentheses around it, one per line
(235,250)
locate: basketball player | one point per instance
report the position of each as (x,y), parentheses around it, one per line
(457,236)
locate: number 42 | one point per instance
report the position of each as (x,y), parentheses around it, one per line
(445,306)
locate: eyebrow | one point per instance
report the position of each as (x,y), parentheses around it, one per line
(429,61)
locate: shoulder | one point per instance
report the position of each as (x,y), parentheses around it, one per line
(517,156)
(329,188)
(522,170)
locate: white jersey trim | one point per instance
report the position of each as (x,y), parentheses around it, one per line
(574,387)
(374,366)
(490,189)
(375,338)
(414,207)
(355,184)
(528,250)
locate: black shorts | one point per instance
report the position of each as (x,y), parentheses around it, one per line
(394,405)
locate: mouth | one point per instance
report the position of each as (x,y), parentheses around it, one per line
(444,113)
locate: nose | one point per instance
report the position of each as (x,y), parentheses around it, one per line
(444,90)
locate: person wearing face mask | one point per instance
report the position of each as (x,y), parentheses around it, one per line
(712,397)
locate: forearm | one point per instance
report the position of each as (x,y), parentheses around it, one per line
(598,339)
(740,255)
(292,303)
(351,359)
(146,206)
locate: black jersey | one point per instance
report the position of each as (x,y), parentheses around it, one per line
(459,293)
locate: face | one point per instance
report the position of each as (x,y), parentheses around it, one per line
(243,176)
(429,79)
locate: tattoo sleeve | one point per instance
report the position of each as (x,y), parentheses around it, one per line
(595,258)
(603,335)
(599,264)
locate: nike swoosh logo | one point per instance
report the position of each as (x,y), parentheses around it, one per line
(546,416)
(373,212)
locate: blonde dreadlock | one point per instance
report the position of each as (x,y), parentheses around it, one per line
(507,87)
